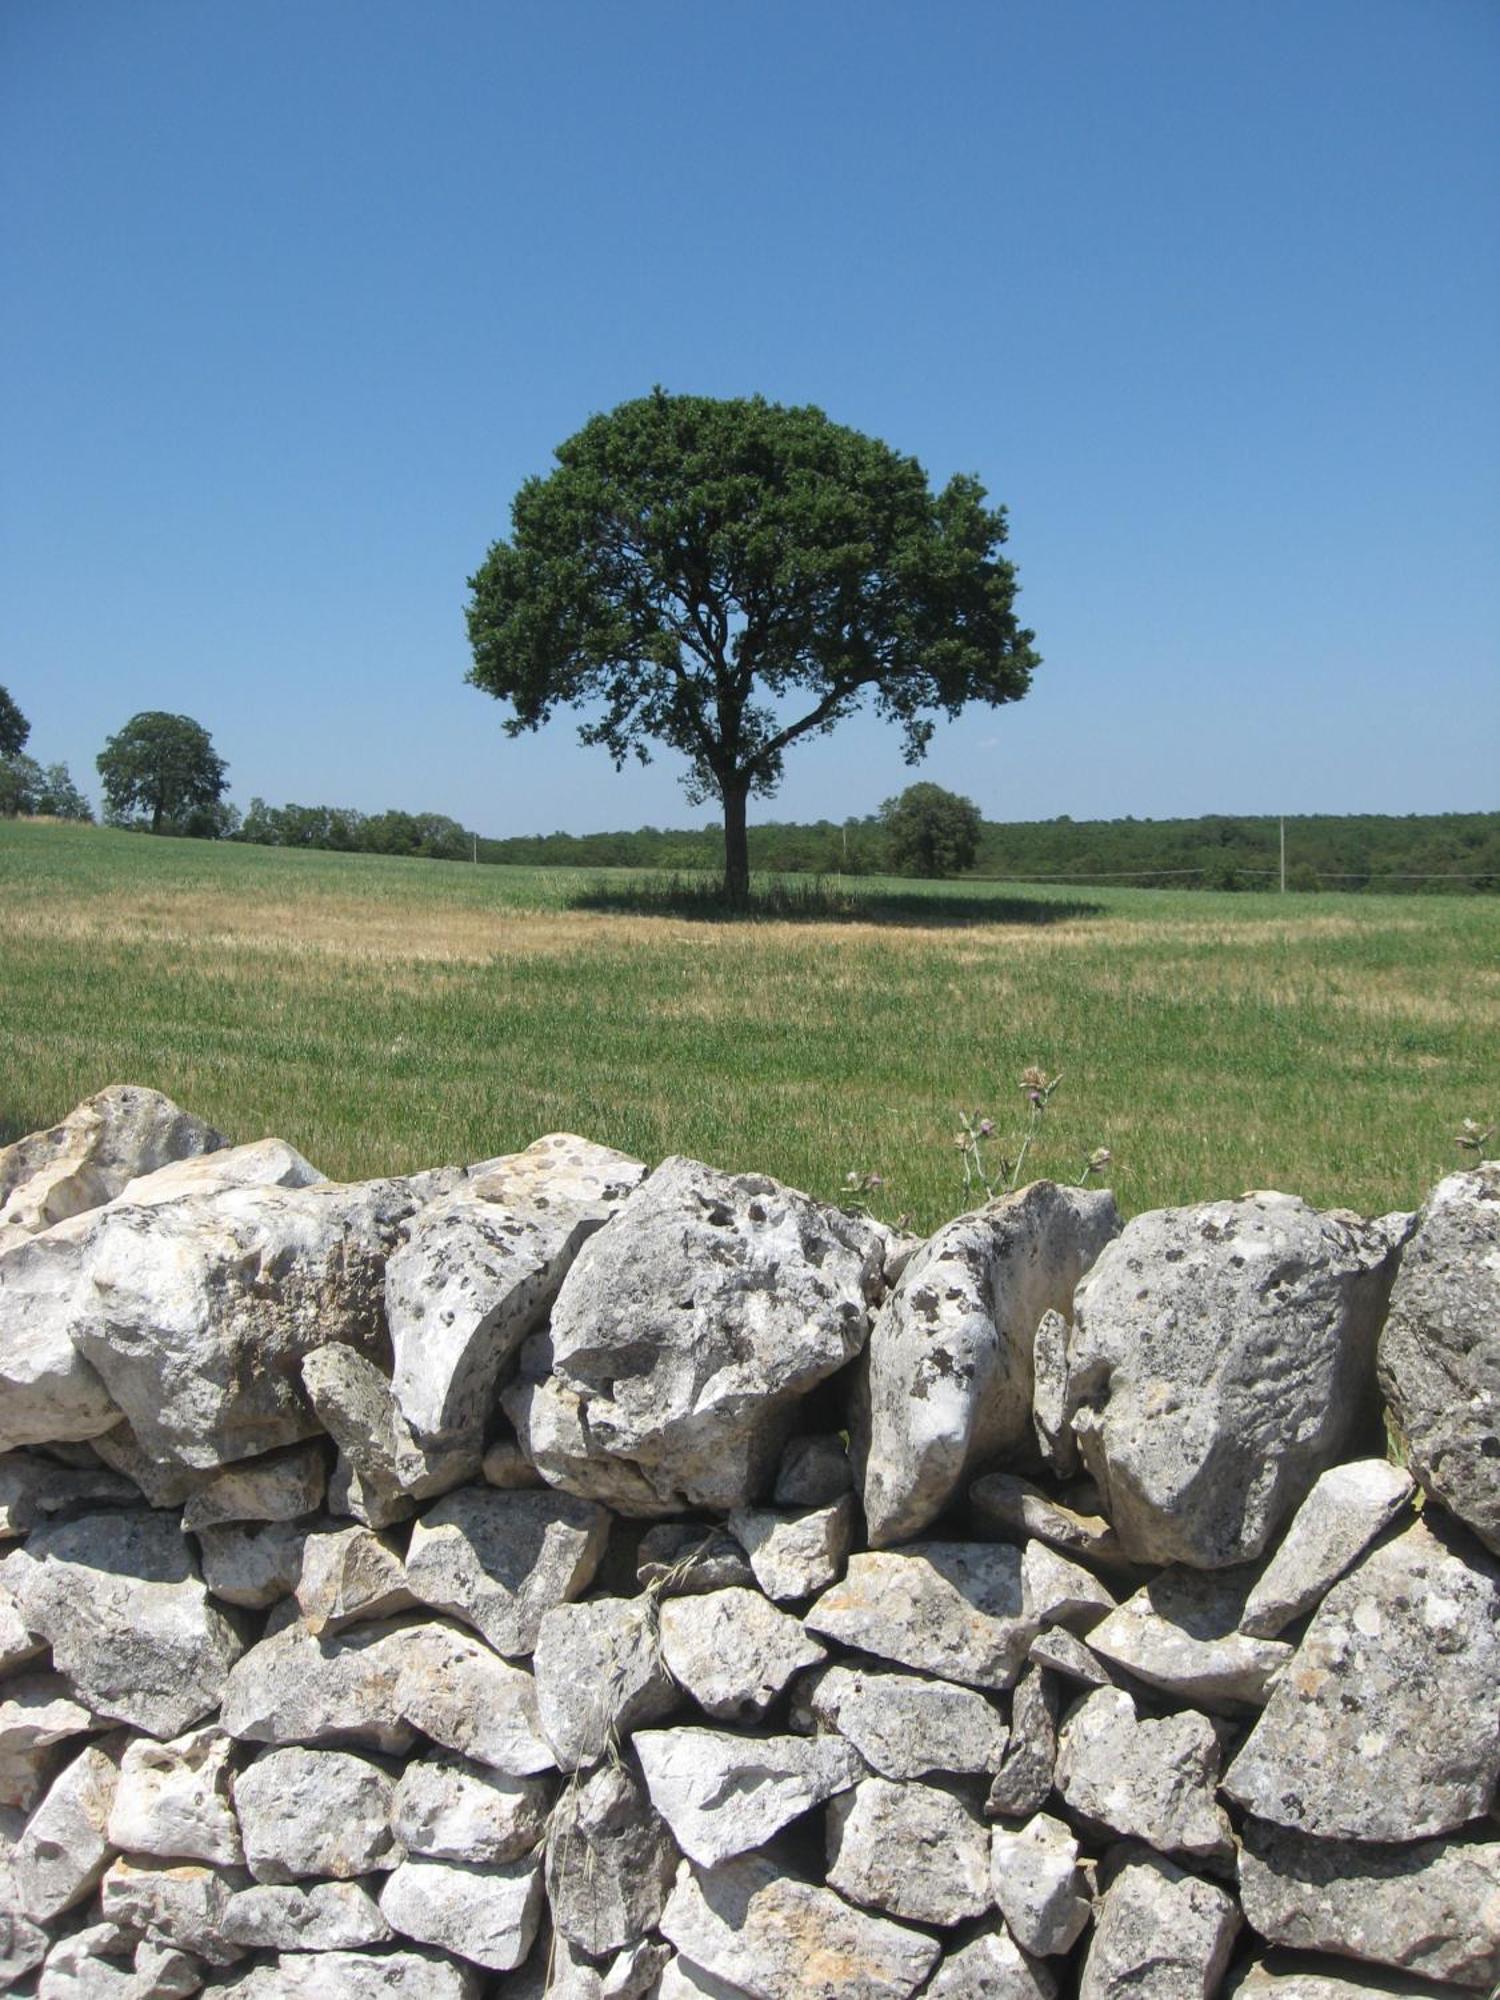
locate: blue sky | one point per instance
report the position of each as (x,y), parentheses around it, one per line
(295,293)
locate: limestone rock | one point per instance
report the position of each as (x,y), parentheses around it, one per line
(1347,1508)
(158,1485)
(632,1974)
(501,1561)
(1261,1979)
(1070,1657)
(1222,1357)
(1024,1776)
(796,1555)
(1058,1592)
(451,1810)
(197,1313)
(172,1800)
(64,1847)
(23,1946)
(733,1652)
(315,1812)
(384,1468)
(455,1690)
(723,1794)
(690,1558)
(108,1141)
(33,1487)
(480,1270)
(180,1903)
(1440,1348)
(1384,1725)
(18,1647)
(682,1980)
(355,1975)
(1432,1909)
(905,1727)
(911,1850)
(505,1465)
(950,1357)
(1151,1780)
(37,1712)
(1181,1634)
(1038,1886)
(348,1576)
(89,1965)
(281,1486)
(48,1391)
(685,1336)
(610,1863)
(599,1675)
(328,1916)
(1012,1509)
(487,1915)
(129,1620)
(776,1938)
(253,1563)
(1158,1931)
(1049,1395)
(814,1471)
(990,1967)
(297,1688)
(949,1608)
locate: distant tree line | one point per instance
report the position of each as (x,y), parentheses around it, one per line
(27,786)
(426,836)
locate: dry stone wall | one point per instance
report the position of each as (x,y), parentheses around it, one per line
(555,1577)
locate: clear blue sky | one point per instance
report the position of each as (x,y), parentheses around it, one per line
(296,292)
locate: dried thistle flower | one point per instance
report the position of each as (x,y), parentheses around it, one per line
(1474,1137)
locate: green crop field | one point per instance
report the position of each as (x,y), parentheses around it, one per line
(388,1015)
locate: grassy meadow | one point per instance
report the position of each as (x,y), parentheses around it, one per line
(386,1015)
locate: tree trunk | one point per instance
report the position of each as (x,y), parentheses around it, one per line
(156,810)
(735,794)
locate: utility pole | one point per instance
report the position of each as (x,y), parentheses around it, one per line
(1283,857)
(476,856)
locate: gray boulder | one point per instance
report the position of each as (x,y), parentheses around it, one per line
(910,1850)
(1158,1931)
(770,1936)
(599,1675)
(279,1486)
(610,1863)
(950,1355)
(130,1623)
(500,1561)
(37,1714)
(991,1966)
(795,1555)
(65,1847)
(1038,1886)
(1023,1777)
(326,1916)
(487,1915)
(1384,1727)
(1433,1908)
(1222,1357)
(1181,1633)
(686,1335)
(479,1272)
(179,1904)
(349,1576)
(722,1794)
(1151,1780)
(324,1813)
(1347,1508)
(732,1651)
(1439,1355)
(253,1563)
(904,1726)
(294,1687)
(452,1810)
(355,1975)
(1009,1508)
(383,1466)
(955,1609)
(108,1141)
(455,1690)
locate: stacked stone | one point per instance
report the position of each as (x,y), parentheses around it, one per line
(547,1577)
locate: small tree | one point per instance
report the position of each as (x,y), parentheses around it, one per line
(163,769)
(726,578)
(14,728)
(932,832)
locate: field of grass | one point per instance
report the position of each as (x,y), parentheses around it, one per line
(388,1015)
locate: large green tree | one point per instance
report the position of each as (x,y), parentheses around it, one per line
(163,770)
(728,577)
(932,832)
(14,728)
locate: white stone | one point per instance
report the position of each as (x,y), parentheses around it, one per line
(1056,1591)
(296,1688)
(253,1563)
(64,1847)
(280,1486)
(1347,1508)
(610,1863)
(722,1794)
(181,1903)
(384,1468)
(315,1812)
(455,1690)
(328,1916)
(355,1975)
(101,1146)
(487,1915)
(905,1727)
(37,1712)
(954,1609)
(990,1967)
(451,1810)
(1154,1780)
(599,1675)
(1158,1931)
(796,1555)
(501,1561)
(910,1850)
(1038,1886)
(349,1576)
(1180,1633)
(172,1800)
(733,1652)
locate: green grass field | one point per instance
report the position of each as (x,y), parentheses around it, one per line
(389,1015)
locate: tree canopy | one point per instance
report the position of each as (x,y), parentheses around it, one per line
(725,578)
(14,728)
(932,832)
(162,770)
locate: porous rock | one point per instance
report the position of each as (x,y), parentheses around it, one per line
(1384,1726)
(1181,1633)
(795,1555)
(1158,1930)
(481,1268)
(773,1937)
(501,1561)
(326,1916)
(253,1563)
(295,1687)
(950,1356)
(722,1794)
(181,1903)
(1432,1908)
(355,1975)
(1347,1508)
(1222,1357)
(37,1712)
(991,1966)
(684,1338)
(732,1651)
(1153,1780)
(384,1468)
(610,1863)
(280,1486)
(954,1609)
(349,1575)
(1439,1355)
(314,1812)
(172,1799)
(911,1850)
(102,1145)
(120,1599)
(452,1810)
(64,1847)
(197,1313)
(599,1675)
(1038,1886)
(487,1915)
(1024,1776)
(903,1726)
(455,1690)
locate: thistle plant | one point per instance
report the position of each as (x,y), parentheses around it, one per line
(1474,1137)
(994,1174)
